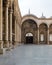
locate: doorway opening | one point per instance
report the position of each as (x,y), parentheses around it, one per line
(29,38)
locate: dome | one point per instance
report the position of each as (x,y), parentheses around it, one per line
(50,16)
(43,16)
(30,15)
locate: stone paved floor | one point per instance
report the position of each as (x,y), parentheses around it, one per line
(28,55)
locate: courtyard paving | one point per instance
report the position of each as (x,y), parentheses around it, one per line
(28,55)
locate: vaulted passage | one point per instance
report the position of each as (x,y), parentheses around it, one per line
(29,32)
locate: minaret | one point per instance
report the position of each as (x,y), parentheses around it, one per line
(43,16)
(29,12)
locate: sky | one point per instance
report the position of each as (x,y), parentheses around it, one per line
(36,7)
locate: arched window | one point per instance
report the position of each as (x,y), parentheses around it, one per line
(29,34)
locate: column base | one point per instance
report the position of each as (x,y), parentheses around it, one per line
(19,43)
(1,51)
(6,44)
(10,44)
(38,43)
(15,42)
(1,47)
(1,44)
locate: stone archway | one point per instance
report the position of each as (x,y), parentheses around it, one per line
(29,26)
(50,34)
(43,33)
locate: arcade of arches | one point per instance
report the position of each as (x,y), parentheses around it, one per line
(15,29)
(31,33)
(9,13)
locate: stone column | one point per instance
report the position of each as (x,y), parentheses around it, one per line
(1,21)
(15,32)
(48,36)
(38,35)
(11,11)
(7,43)
(11,27)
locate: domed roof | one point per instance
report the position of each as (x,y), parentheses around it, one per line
(50,16)
(30,15)
(43,16)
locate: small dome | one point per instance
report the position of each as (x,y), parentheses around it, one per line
(30,15)
(50,16)
(43,16)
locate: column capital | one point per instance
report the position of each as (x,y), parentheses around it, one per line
(38,28)
(7,3)
(48,26)
(11,11)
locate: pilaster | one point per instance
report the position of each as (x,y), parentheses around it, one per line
(48,36)
(38,35)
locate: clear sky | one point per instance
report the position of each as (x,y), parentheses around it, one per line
(37,7)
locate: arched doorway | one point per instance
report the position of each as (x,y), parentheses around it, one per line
(29,38)
(29,25)
(43,28)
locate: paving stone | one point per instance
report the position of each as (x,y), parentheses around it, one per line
(28,55)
